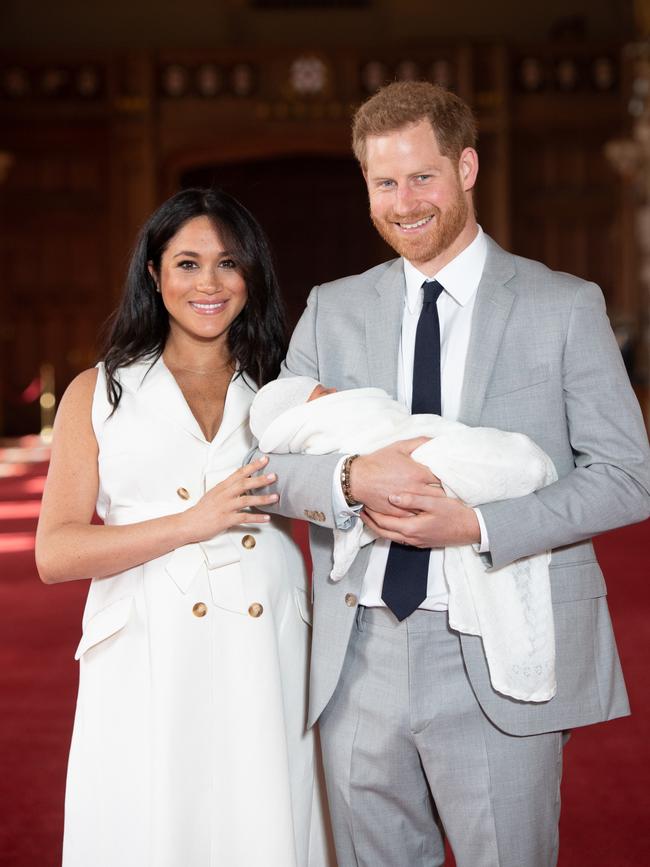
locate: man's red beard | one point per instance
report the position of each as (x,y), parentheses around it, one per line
(437,237)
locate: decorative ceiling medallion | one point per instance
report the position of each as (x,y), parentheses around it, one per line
(87,81)
(175,80)
(308,75)
(53,81)
(566,74)
(407,70)
(15,82)
(209,79)
(603,73)
(242,79)
(531,74)
(374,75)
(441,72)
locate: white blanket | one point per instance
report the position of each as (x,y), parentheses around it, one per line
(510,608)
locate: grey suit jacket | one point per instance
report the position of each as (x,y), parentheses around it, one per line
(543,361)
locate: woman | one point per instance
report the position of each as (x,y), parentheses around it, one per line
(189,745)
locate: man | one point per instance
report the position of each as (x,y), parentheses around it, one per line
(416,742)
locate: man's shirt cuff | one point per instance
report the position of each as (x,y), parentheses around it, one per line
(484,546)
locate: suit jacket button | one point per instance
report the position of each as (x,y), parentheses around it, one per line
(200,609)
(313,515)
(248,541)
(183,493)
(256,609)
(350,600)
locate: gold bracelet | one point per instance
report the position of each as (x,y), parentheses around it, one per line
(345,481)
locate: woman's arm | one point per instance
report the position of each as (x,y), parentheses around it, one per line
(69,547)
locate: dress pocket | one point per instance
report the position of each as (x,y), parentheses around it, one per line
(105,623)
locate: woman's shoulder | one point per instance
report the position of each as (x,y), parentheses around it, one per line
(75,408)
(81,389)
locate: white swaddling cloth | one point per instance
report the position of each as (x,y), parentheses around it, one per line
(510,608)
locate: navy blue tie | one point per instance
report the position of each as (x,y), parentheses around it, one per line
(407,568)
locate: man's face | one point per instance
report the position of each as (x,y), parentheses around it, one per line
(419,200)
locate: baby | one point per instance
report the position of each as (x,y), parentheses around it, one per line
(510,608)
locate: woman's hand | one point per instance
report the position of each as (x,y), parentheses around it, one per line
(225,505)
(69,547)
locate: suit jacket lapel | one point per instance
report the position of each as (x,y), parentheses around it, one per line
(383,328)
(494,300)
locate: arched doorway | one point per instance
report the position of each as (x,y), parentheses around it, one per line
(314,210)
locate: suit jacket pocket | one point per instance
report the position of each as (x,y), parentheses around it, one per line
(516,380)
(303,604)
(571,582)
(105,623)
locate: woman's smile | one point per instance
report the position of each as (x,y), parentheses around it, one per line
(208,308)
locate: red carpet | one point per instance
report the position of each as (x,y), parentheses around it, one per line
(606,792)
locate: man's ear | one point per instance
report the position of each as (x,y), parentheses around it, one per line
(468,168)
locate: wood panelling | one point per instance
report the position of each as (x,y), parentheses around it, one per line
(565,200)
(54,231)
(98,144)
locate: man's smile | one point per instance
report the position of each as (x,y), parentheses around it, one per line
(417,224)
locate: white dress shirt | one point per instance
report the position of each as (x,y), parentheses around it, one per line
(460,279)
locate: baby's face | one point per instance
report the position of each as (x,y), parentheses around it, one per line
(320,391)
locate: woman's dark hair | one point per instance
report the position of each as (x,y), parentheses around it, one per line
(139,327)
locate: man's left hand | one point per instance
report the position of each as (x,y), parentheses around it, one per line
(436,521)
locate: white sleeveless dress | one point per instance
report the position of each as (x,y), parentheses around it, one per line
(189,746)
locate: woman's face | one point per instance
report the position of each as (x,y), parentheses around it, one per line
(201,282)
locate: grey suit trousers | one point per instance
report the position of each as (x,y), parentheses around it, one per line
(407,749)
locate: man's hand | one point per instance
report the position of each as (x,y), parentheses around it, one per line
(390,471)
(433,520)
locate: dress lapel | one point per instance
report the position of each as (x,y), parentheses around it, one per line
(236,409)
(383,328)
(161,394)
(494,300)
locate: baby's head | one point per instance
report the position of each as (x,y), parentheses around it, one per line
(281,395)
(320,391)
